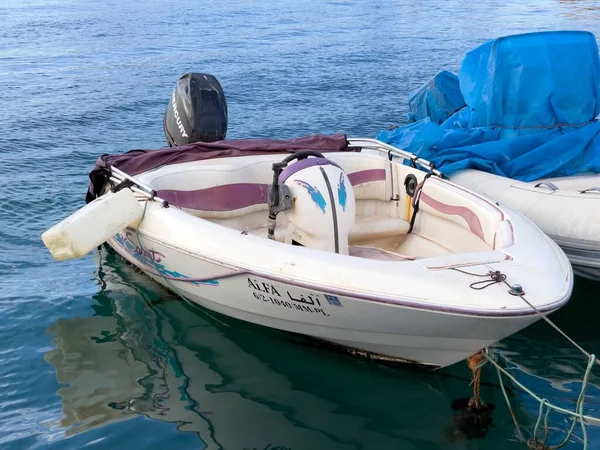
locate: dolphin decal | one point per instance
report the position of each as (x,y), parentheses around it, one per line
(314,193)
(342,194)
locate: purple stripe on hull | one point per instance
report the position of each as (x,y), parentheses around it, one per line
(356,295)
(229,197)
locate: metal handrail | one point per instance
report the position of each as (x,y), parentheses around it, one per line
(142,189)
(122,174)
(374,144)
(119,176)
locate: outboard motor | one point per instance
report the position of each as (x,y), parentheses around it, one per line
(318,200)
(197,111)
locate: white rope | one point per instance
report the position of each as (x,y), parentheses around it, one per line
(577,415)
(561,332)
(543,316)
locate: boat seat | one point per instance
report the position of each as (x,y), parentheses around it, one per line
(378,228)
(237,187)
(377,254)
(482,218)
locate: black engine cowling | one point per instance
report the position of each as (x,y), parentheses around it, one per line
(197,111)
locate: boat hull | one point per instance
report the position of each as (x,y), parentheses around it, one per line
(379,328)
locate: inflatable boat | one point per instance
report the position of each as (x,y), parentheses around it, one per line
(565,208)
(334,238)
(519,124)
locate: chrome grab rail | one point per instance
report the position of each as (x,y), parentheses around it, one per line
(374,144)
(119,176)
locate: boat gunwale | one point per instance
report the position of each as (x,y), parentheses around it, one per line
(355,295)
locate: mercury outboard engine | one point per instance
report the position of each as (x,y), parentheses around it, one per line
(197,111)
(317,198)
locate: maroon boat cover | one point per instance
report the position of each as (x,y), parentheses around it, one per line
(135,162)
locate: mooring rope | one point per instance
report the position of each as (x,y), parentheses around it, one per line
(577,415)
(495,276)
(553,325)
(512,413)
(475,363)
(498,277)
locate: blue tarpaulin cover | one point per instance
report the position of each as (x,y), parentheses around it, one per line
(437,99)
(532,101)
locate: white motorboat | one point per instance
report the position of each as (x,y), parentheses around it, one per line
(565,208)
(356,248)
(359,249)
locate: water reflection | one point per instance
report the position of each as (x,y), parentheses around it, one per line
(147,353)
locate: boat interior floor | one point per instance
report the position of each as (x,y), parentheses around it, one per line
(405,247)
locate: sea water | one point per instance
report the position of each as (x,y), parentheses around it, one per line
(94,354)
